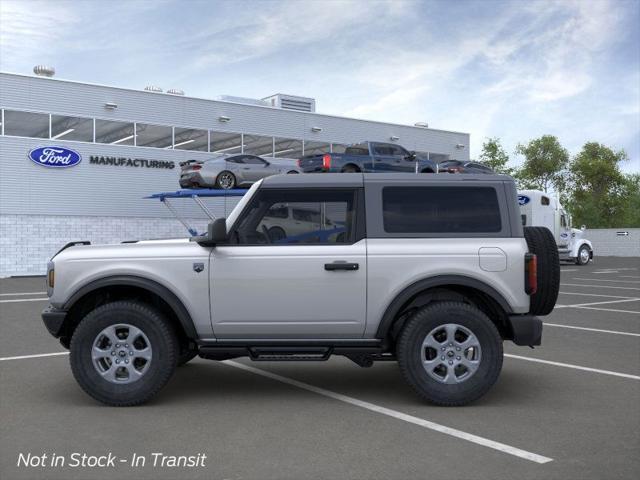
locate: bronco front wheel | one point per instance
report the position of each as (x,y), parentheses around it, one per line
(123,353)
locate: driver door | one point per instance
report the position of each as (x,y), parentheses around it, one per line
(286,277)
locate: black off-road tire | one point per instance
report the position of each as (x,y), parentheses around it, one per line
(541,242)
(409,352)
(350,169)
(164,344)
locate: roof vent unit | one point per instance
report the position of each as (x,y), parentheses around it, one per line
(175,91)
(44,71)
(243,100)
(292,102)
(153,88)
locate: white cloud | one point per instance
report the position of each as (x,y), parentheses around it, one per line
(29,30)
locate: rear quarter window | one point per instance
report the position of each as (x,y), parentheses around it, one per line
(427,210)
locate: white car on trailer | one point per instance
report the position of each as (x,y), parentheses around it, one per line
(540,209)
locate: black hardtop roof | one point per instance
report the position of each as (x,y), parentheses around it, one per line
(337,180)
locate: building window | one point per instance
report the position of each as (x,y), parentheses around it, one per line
(287,148)
(436,210)
(115,133)
(26,124)
(191,139)
(71,128)
(156,136)
(258,145)
(227,143)
(316,148)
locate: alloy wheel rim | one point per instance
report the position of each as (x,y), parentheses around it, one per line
(121,353)
(451,354)
(584,255)
(226,181)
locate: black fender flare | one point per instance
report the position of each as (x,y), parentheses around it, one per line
(438,281)
(152,286)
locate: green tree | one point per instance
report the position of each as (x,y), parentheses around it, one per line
(493,155)
(600,194)
(630,217)
(544,165)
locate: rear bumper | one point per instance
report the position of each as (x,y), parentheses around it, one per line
(54,320)
(527,330)
(192,179)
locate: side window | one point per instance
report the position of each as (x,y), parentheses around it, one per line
(318,217)
(544,200)
(441,210)
(398,151)
(253,160)
(238,159)
(383,150)
(563,221)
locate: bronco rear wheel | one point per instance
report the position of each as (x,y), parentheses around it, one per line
(123,353)
(541,242)
(450,353)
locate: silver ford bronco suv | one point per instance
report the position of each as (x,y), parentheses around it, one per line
(432,271)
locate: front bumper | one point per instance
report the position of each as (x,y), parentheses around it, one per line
(54,320)
(527,330)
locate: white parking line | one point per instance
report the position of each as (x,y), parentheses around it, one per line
(569,269)
(23,357)
(576,367)
(598,303)
(629,276)
(592,295)
(610,310)
(485,442)
(603,280)
(21,293)
(598,286)
(24,300)
(616,332)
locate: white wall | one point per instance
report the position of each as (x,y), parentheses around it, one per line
(606,242)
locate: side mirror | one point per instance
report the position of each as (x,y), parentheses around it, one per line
(411,156)
(216,233)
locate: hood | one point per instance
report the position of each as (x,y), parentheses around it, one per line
(135,248)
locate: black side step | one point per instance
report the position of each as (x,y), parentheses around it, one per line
(290,354)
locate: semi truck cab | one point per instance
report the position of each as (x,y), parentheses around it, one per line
(540,209)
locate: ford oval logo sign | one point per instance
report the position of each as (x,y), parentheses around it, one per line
(523,199)
(55,157)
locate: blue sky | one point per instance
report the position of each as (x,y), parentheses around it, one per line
(511,69)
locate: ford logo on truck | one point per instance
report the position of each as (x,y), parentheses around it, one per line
(55,157)
(523,199)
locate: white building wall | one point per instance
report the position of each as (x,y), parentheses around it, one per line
(27,242)
(607,242)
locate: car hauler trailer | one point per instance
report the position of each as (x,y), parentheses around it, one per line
(542,210)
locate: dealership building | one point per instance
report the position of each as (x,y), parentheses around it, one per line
(127,144)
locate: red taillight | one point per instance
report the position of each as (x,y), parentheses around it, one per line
(326,161)
(531,273)
(196,167)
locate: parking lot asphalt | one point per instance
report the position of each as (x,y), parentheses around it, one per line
(569,409)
